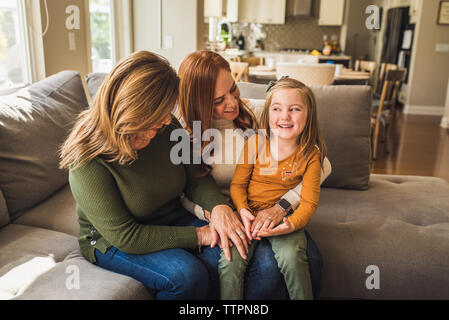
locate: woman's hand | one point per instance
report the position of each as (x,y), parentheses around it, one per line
(247,218)
(285,228)
(267,219)
(204,235)
(226,223)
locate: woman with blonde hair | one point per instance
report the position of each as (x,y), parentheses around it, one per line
(127,188)
(209,95)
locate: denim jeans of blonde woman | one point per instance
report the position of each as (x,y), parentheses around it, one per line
(290,253)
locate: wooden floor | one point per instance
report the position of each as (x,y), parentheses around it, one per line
(419,147)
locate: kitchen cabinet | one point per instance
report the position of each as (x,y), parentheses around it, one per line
(331,12)
(255,11)
(214,8)
(259,11)
(415,6)
(247,10)
(271,11)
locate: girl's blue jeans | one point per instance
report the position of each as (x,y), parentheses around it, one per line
(185,274)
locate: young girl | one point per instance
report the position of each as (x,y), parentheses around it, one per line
(291,152)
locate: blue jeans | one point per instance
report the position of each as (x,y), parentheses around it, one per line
(184,274)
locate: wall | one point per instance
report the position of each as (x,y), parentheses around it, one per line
(430,69)
(445,118)
(179,21)
(359,41)
(57,54)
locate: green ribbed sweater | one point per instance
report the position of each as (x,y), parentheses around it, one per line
(131,207)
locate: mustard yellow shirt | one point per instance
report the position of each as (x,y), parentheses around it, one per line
(260,181)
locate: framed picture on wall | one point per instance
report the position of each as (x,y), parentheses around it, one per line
(443,13)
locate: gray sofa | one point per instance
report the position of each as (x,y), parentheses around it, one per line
(386,232)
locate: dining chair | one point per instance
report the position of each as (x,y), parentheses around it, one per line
(366,66)
(254,61)
(310,74)
(384,109)
(239,70)
(384,68)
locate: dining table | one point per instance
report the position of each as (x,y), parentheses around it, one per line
(345,76)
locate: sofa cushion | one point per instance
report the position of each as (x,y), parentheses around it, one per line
(400,225)
(95,283)
(37,263)
(4,217)
(26,252)
(94,81)
(344,116)
(56,213)
(33,124)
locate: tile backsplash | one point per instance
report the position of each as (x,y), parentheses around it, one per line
(297,32)
(302,33)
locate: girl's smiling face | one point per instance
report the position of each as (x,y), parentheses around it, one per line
(287,114)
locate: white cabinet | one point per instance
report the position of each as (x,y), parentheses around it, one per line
(214,8)
(331,12)
(415,7)
(271,11)
(261,11)
(255,11)
(248,10)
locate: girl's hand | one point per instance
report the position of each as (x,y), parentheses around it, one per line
(285,228)
(247,218)
(267,219)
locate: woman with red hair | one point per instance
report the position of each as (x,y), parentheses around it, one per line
(209,95)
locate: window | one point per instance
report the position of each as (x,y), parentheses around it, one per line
(101,31)
(14,56)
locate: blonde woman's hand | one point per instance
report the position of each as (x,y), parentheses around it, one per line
(229,227)
(285,228)
(215,235)
(267,219)
(204,236)
(247,218)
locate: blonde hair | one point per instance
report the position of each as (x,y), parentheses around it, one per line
(198,73)
(139,93)
(311,135)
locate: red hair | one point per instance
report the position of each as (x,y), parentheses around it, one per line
(198,73)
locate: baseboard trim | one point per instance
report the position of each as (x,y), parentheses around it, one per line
(445,122)
(424,110)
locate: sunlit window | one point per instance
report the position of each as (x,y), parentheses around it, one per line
(101,35)
(14,67)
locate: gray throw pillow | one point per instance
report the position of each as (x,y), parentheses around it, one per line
(34,122)
(94,81)
(344,117)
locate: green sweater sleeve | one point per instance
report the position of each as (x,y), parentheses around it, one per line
(100,202)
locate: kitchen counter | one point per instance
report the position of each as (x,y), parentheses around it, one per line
(288,56)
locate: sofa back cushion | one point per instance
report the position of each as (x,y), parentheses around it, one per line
(33,124)
(94,81)
(344,117)
(4,217)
